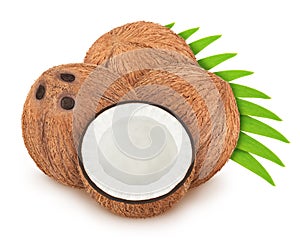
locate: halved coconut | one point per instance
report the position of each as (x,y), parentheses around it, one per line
(136,158)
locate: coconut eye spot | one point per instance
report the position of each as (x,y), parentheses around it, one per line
(40,93)
(67,77)
(67,103)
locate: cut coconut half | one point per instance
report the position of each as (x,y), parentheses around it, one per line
(136,151)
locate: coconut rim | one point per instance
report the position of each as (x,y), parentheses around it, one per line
(172,191)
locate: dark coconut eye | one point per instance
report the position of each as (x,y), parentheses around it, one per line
(67,103)
(67,77)
(40,93)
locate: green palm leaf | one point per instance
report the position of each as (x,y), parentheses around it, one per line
(248,144)
(188,33)
(252,109)
(212,61)
(248,161)
(254,126)
(200,44)
(243,91)
(170,25)
(233,74)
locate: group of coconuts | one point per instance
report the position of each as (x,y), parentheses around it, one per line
(136,125)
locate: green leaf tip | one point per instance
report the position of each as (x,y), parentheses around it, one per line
(249,162)
(248,92)
(231,75)
(169,26)
(255,126)
(200,44)
(188,33)
(252,109)
(212,61)
(248,144)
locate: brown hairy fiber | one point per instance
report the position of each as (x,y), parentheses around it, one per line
(47,127)
(209,169)
(134,36)
(50,134)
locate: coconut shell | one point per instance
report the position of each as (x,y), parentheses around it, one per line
(51,131)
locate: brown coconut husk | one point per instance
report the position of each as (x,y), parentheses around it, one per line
(208,169)
(49,132)
(134,36)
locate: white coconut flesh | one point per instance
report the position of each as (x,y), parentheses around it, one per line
(136,151)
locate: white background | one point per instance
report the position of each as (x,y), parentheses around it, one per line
(233,206)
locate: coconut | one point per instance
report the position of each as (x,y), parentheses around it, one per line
(137,159)
(48,121)
(135,36)
(207,106)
